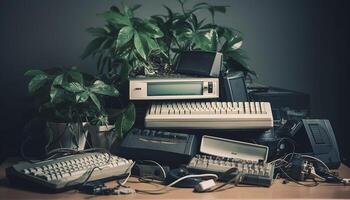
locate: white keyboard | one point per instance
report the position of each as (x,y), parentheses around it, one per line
(210,115)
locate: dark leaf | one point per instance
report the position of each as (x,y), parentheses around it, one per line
(36,83)
(58,80)
(115,9)
(82,97)
(93,46)
(140,48)
(73,87)
(34,72)
(56,95)
(128,12)
(124,36)
(129,118)
(153,30)
(99,87)
(116,18)
(135,7)
(97,32)
(95,100)
(170,12)
(124,72)
(76,76)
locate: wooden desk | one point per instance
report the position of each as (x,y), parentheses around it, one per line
(277,190)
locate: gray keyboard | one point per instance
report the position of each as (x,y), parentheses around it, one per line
(210,115)
(254,173)
(69,171)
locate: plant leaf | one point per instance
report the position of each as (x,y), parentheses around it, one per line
(140,48)
(135,7)
(56,95)
(73,87)
(116,18)
(82,97)
(128,12)
(36,83)
(125,35)
(100,87)
(93,46)
(58,80)
(129,118)
(34,72)
(95,100)
(97,32)
(154,30)
(76,76)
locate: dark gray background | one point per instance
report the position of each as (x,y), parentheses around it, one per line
(294,44)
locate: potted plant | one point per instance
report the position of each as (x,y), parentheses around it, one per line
(71,102)
(129,45)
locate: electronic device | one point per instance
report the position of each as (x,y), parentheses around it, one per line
(201,63)
(150,171)
(233,87)
(69,172)
(315,137)
(173,87)
(286,104)
(222,154)
(301,169)
(161,146)
(210,115)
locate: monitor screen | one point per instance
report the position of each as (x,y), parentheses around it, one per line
(175,88)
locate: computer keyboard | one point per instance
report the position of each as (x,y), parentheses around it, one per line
(253,172)
(210,115)
(70,171)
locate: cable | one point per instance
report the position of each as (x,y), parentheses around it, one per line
(161,190)
(128,170)
(298,182)
(161,168)
(316,159)
(236,179)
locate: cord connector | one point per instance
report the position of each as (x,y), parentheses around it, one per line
(204,185)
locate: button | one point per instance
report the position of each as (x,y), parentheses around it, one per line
(158,134)
(153,133)
(210,87)
(136,131)
(146,132)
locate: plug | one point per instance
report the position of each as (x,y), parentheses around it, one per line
(204,185)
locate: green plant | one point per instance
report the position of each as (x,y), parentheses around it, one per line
(127,44)
(70,96)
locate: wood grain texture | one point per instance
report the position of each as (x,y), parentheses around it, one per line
(276,191)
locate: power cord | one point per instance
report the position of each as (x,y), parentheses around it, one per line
(165,188)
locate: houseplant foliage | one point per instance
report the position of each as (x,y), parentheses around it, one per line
(66,95)
(127,44)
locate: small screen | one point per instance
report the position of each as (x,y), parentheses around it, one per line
(196,61)
(173,88)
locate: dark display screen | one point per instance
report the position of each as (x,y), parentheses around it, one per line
(174,88)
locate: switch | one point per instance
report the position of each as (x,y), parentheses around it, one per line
(210,87)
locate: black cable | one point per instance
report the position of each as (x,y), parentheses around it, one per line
(298,182)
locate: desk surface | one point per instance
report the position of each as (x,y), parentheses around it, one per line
(277,190)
